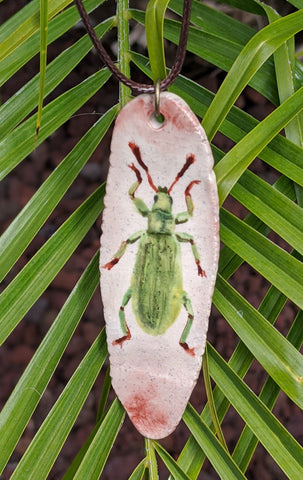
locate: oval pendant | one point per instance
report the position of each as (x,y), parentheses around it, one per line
(158,260)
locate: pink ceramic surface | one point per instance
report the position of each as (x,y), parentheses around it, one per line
(152,374)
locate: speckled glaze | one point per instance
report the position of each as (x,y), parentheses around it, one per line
(153,375)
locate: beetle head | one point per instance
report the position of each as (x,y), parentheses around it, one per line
(162,200)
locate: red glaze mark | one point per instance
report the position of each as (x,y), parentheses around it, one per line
(175,116)
(136,151)
(139,108)
(144,414)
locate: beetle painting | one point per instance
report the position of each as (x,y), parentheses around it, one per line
(157,277)
(157,289)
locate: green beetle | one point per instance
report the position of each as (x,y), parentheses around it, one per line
(157,286)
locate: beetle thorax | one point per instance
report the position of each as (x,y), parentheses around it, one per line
(160,218)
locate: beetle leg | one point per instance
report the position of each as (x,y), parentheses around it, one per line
(190,317)
(124,326)
(185,216)
(132,239)
(135,186)
(139,204)
(186,237)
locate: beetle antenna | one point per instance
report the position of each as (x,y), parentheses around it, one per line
(190,158)
(136,151)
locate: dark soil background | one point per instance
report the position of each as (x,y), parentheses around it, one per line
(15,191)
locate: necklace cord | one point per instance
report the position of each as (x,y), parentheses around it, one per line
(136,86)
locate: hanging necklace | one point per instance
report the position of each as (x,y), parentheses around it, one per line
(157,275)
(135,86)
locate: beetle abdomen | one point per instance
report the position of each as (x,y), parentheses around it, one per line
(157,283)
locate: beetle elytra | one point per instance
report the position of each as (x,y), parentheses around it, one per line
(158,260)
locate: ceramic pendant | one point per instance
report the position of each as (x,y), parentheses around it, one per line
(159,256)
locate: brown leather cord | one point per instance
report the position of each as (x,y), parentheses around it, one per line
(135,86)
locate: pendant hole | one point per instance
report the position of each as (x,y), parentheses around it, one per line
(157,121)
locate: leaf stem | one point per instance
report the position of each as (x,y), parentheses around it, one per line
(151,461)
(123,48)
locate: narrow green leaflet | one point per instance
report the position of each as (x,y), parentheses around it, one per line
(29,284)
(210,400)
(284,58)
(211,21)
(154,21)
(139,471)
(16,20)
(21,404)
(25,226)
(73,467)
(253,55)
(94,460)
(77,461)
(229,260)
(236,161)
(275,438)
(217,455)
(28,27)
(104,395)
(296,3)
(24,51)
(279,267)
(287,83)
(248,441)
(21,142)
(43,57)
(170,463)
(45,447)
(19,105)
(246,5)
(277,356)
(220,52)
(278,212)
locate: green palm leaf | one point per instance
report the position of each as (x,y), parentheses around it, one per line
(29,284)
(266,61)
(33,382)
(46,445)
